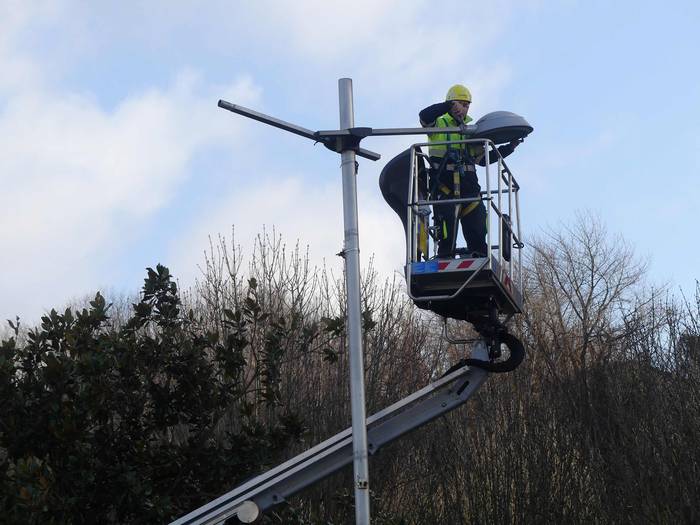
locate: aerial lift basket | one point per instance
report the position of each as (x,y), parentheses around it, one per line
(465,286)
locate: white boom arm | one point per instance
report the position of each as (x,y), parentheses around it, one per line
(273,487)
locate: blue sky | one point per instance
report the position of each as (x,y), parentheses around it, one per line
(115,157)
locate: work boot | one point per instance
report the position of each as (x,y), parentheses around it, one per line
(445,250)
(466,253)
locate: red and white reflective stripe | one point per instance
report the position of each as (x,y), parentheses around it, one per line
(457,264)
(507,282)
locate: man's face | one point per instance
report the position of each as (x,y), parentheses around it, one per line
(460,108)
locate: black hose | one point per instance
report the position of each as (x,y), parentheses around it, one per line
(517,354)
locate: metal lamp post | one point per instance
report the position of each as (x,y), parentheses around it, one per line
(351,253)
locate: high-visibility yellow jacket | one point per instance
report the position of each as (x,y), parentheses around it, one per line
(437,115)
(447,121)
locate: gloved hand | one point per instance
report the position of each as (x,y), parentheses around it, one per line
(465,129)
(422,211)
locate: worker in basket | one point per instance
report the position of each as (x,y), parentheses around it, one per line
(453,174)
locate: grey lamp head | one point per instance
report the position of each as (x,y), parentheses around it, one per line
(502,126)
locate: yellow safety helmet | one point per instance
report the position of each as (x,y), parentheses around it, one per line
(458,92)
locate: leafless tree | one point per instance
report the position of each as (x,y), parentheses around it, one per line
(606,405)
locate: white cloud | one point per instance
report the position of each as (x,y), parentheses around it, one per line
(399,48)
(74,175)
(299,212)
(18,69)
(312,215)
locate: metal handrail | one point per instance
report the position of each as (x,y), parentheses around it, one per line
(461,200)
(515,236)
(452,296)
(506,185)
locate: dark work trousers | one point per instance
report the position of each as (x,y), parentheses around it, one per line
(473,223)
